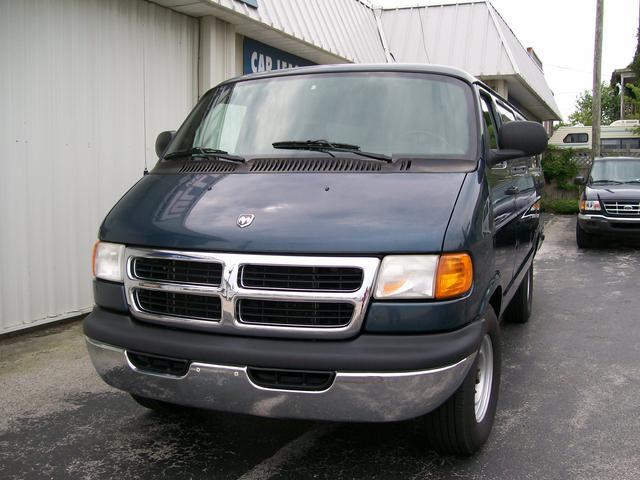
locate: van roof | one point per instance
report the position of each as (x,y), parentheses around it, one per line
(362,67)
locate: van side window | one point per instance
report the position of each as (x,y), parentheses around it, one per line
(506,115)
(489,123)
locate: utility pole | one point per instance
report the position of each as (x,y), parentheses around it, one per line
(596,108)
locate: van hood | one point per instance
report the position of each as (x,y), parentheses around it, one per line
(360,213)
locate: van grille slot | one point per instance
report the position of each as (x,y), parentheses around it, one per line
(157,364)
(310,165)
(336,279)
(207,167)
(291,379)
(294,314)
(186,305)
(177,271)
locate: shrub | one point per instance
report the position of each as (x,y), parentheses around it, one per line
(562,207)
(560,165)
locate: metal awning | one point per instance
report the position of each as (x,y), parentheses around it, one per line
(472,36)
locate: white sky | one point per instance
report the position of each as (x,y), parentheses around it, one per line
(562,34)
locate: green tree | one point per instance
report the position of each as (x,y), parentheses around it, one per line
(632,92)
(584,105)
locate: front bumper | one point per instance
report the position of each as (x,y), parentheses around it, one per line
(353,396)
(602,225)
(378,378)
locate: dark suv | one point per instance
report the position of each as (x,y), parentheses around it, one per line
(610,202)
(332,243)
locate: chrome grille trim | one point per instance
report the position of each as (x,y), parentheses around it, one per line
(230,291)
(629,208)
(315,279)
(149,309)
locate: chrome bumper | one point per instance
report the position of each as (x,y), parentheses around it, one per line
(352,397)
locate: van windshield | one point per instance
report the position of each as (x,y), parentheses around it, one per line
(616,171)
(394,114)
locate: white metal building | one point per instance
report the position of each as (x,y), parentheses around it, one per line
(88,84)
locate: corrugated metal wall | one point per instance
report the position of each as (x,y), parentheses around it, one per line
(72,135)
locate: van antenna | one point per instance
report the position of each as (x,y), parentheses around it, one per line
(144,102)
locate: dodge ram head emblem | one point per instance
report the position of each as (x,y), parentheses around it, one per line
(245,220)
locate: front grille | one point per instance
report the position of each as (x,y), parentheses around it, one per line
(336,279)
(177,271)
(291,379)
(173,304)
(157,364)
(623,208)
(296,314)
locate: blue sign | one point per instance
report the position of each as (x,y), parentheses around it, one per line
(259,57)
(251,3)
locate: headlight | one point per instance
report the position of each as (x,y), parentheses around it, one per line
(590,205)
(424,276)
(108,261)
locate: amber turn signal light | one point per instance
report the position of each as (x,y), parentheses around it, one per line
(93,258)
(454,275)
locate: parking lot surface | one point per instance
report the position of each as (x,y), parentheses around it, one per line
(569,402)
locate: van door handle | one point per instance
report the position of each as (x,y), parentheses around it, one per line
(500,166)
(512,191)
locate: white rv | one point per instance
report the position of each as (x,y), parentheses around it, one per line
(617,136)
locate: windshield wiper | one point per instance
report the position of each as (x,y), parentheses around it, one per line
(633,181)
(328,147)
(206,152)
(606,181)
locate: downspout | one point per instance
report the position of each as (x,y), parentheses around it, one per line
(377,14)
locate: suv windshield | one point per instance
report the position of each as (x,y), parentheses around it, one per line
(392,114)
(616,170)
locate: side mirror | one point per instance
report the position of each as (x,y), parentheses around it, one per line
(519,139)
(163,140)
(579,180)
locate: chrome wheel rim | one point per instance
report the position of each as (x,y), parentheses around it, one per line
(484,378)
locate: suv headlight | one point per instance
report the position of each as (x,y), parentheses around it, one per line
(424,276)
(590,205)
(108,261)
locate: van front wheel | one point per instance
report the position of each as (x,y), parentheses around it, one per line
(463,423)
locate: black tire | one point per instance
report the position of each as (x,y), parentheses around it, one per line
(157,405)
(583,239)
(453,428)
(519,310)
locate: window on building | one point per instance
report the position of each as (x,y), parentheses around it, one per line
(576,138)
(489,123)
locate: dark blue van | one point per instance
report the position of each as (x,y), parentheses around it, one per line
(330,243)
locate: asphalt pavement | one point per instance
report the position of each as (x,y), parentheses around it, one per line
(569,402)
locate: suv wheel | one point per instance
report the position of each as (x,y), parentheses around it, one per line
(519,310)
(462,424)
(583,239)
